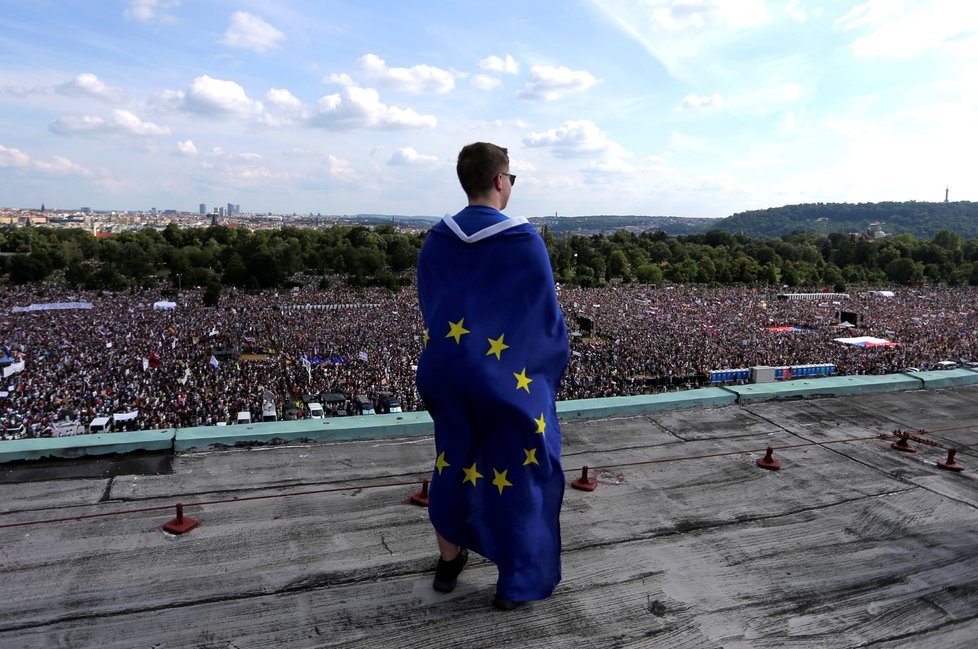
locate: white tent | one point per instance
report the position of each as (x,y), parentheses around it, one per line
(163,305)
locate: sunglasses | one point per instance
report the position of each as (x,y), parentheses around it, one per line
(512,177)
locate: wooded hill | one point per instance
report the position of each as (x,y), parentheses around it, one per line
(922,220)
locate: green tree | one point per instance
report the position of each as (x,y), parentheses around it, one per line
(649,274)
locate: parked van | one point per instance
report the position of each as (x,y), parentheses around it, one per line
(364,404)
(315,410)
(100,425)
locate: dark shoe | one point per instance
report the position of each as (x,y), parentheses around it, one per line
(447,572)
(504,604)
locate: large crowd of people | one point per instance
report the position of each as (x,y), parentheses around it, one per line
(184,364)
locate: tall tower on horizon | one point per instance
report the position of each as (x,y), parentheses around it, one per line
(946,189)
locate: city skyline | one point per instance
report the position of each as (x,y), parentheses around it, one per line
(661,107)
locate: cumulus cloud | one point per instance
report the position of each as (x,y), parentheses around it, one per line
(120,122)
(251,33)
(362,108)
(283,99)
(211,97)
(575,139)
(288,108)
(550,83)
(417,80)
(15,158)
(187,148)
(408,156)
(147,11)
(496,64)
(694,102)
(340,79)
(89,85)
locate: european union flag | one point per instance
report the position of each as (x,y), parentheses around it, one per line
(495,349)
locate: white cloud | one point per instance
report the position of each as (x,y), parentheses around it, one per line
(496,64)
(291,108)
(89,85)
(550,83)
(119,122)
(417,80)
(362,108)
(408,156)
(575,139)
(341,79)
(694,102)
(250,32)
(867,13)
(692,38)
(214,97)
(146,11)
(62,165)
(341,169)
(799,13)
(11,157)
(680,15)
(283,99)
(903,31)
(485,82)
(15,158)
(187,147)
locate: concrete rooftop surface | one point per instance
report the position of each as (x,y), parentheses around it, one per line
(685,542)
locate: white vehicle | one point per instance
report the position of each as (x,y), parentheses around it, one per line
(100,425)
(244,417)
(315,410)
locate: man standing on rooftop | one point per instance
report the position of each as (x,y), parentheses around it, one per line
(495,350)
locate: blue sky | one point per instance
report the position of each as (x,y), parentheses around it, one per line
(658,107)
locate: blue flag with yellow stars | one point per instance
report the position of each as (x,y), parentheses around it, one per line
(495,348)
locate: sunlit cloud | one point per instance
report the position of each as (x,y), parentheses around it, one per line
(250,32)
(417,80)
(549,83)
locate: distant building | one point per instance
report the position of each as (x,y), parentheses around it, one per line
(202,209)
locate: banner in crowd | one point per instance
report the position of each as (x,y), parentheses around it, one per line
(125,416)
(52,306)
(13,368)
(866,341)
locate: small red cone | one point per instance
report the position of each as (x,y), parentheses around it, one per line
(584,483)
(768,461)
(950,464)
(421,498)
(181,524)
(903,445)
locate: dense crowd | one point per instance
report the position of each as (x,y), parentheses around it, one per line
(191,366)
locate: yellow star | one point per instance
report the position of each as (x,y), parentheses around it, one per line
(497,346)
(426,337)
(541,425)
(523,381)
(501,481)
(456,330)
(440,463)
(531,456)
(471,475)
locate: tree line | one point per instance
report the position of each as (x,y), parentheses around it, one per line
(919,218)
(176,258)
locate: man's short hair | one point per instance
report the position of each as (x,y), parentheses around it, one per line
(478,165)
